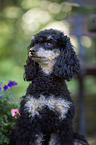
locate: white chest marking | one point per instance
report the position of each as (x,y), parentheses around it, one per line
(33,105)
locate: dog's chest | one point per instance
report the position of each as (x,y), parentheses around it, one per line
(34,106)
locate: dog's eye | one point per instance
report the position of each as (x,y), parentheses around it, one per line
(48,44)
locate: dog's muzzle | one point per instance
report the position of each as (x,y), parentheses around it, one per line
(32,52)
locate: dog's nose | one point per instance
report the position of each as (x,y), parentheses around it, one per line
(32,51)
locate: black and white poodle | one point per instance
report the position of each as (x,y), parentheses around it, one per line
(47,109)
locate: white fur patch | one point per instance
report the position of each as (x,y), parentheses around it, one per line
(48,54)
(33,105)
(48,60)
(39,139)
(33,38)
(45,58)
(47,68)
(53,139)
(49,37)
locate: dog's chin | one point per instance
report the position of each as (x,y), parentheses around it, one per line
(38,59)
(35,58)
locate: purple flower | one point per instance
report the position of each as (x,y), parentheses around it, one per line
(5,87)
(1,95)
(12,83)
(0,88)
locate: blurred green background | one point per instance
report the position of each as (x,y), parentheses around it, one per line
(21,19)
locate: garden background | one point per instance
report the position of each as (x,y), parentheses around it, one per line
(20,20)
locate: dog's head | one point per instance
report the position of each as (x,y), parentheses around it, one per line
(51,51)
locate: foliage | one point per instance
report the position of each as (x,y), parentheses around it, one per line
(6,104)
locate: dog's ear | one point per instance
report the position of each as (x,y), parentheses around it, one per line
(31,68)
(67,65)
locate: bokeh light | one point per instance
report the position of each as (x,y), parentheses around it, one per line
(60,25)
(86,41)
(66,8)
(33,18)
(12,12)
(54,8)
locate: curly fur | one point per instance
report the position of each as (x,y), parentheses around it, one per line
(47,109)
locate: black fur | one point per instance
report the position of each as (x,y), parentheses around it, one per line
(48,123)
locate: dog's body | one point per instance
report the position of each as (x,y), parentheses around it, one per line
(47,109)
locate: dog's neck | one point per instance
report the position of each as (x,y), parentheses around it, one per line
(48,85)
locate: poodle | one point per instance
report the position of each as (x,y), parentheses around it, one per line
(47,110)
